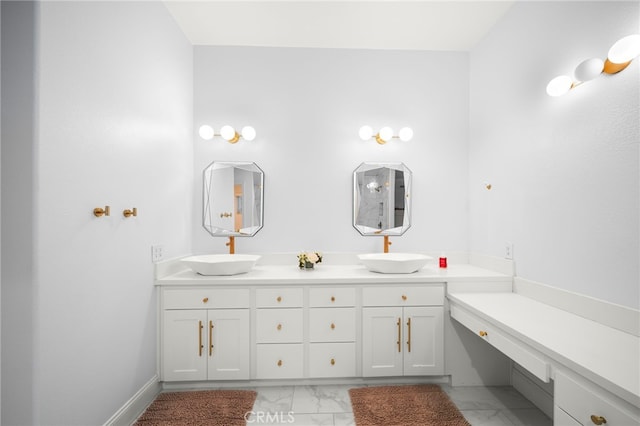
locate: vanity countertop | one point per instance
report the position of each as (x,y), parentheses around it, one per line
(332,274)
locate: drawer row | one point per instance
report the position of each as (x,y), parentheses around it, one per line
(287,297)
(285,361)
(326,325)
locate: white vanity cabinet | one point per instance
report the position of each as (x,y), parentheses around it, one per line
(205,334)
(332,332)
(402,331)
(578,401)
(279,333)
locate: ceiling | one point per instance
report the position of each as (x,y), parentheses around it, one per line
(451,25)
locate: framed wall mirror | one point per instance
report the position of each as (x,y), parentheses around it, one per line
(381,202)
(233,195)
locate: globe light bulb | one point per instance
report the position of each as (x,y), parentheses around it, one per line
(227,132)
(248,133)
(386,133)
(625,49)
(405,134)
(365,133)
(559,85)
(589,69)
(206,132)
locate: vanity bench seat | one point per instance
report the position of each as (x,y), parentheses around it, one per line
(595,368)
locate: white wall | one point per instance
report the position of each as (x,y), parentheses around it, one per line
(565,171)
(307,106)
(113,104)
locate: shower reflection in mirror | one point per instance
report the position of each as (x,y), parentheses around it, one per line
(381,198)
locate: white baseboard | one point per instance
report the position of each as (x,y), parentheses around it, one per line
(136,405)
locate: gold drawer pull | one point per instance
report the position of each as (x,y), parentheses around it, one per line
(205,300)
(279,327)
(598,420)
(409,335)
(333,326)
(279,363)
(333,299)
(279,299)
(483,333)
(404,297)
(200,345)
(210,338)
(333,361)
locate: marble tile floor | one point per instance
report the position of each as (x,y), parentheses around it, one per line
(329,405)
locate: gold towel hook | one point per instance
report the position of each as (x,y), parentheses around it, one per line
(99,211)
(132,212)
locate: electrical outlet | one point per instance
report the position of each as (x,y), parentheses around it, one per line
(508,250)
(157,253)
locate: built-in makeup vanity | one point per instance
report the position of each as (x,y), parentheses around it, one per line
(590,349)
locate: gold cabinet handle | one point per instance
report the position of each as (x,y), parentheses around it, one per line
(409,335)
(333,326)
(333,299)
(279,363)
(333,361)
(205,300)
(279,327)
(404,297)
(279,299)
(200,346)
(598,420)
(210,338)
(399,335)
(483,333)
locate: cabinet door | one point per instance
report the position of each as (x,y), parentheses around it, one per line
(183,345)
(423,341)
(228,344)
(382,341)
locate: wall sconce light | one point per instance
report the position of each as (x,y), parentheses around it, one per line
(385,134)
(228,133)
(619,57)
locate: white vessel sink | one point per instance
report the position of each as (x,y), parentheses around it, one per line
(221,264)
(394,263)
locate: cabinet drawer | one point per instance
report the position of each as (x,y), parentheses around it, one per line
(279,325)
(582,399)
(279,298)
(524,356)
(332,297)
(332,324)
(332,360)
(206,298)
(279,361)
(561,418)
(404,296)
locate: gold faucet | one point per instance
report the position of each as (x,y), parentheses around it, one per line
(232,245)
(387,243)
